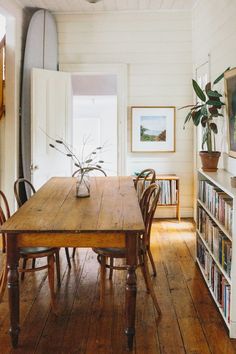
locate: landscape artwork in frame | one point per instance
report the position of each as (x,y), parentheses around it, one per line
(230,95)
(153,129)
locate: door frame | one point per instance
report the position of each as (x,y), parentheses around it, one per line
(120,70)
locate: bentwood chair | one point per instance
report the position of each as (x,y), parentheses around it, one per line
(148,206)
(143,180)
(75,173)
(32,253)
(31,190)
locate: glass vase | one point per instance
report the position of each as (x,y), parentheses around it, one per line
(82,185)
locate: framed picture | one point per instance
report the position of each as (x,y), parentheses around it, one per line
(153,129)
(230,96)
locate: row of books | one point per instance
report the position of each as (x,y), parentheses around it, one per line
(218,243)
(168,191)
(216,281)
(168,194)
(218,202)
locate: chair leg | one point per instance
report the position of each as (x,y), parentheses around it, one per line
(73,253)
(150,286)
(68,257)
(152,262)
(58,268)
(102,281)
(51,282)
(111,268)
(143,269)
(33,263)
(3,280)
(23,267)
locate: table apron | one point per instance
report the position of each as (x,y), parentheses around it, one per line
(86,239)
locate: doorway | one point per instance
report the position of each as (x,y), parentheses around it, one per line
(110,71)
(94,119)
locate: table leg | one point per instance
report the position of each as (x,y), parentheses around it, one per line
(131,288)
(13,287)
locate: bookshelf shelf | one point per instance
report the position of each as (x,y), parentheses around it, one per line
(170,186)
(214,258)
(216,241)
(223,229)
(213,295)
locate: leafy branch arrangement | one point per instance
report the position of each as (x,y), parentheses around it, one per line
(206,111)
(89,163)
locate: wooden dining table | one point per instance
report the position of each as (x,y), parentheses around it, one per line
(55,217)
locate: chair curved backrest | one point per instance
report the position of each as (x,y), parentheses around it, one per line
(143,180)
(29,186)
(148,204)
(94,168)
(4,215)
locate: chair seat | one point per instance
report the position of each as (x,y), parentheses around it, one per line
(111,252)
(36,250)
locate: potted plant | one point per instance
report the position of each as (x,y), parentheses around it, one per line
(205,112)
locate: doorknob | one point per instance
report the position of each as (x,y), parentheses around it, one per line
(34,167)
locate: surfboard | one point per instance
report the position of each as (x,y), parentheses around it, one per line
(41,51)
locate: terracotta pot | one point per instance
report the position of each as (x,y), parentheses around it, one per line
(209,160)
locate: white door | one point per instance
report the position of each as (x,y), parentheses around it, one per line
(51,119)
(94,125)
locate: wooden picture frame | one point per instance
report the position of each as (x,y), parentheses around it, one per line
(153,128)
(230,100)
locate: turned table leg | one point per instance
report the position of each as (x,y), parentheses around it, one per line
(131,287)
(13,287)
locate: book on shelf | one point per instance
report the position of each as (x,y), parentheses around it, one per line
(217,202)
(168,191)
(168,194)
(218,243)
(215,279)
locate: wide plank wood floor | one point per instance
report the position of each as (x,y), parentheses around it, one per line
(190,322)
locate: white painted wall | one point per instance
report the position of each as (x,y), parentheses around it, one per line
(157,48)
(214,29)
(10,123)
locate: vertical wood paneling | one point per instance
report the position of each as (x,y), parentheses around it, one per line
(157,49)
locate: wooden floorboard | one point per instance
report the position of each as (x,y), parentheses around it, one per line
(190,321)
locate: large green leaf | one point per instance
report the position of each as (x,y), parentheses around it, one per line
(208,87)
(213,110)
(204,110)
(196,116)
(203,121)
(188,117)
(198,91)
(221,76)
(211,93)
(215,103)
(213,127)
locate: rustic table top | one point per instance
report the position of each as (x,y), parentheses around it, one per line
(112,206)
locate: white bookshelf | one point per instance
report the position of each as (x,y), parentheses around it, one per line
(221,181)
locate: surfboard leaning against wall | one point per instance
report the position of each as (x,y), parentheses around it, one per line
(41,51)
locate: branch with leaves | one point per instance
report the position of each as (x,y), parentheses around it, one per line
(91,162)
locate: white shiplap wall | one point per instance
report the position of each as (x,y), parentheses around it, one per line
(157,48)
(214,29)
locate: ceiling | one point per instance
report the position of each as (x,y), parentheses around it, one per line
(82,6)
